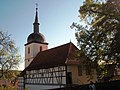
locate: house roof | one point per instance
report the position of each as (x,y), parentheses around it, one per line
(54,57)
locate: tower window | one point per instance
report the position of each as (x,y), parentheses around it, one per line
(28,50)
(40,48)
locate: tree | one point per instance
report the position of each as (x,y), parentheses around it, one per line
(99,39)
(9,57)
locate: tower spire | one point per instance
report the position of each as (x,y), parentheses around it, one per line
(36,24)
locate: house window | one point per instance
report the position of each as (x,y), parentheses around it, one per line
(40,48)
(79,70)
(28,50)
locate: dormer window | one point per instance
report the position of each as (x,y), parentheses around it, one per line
(28,50)
(40,48)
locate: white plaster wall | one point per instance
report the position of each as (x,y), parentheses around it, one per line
(20,83)
(39,78)
(34,49)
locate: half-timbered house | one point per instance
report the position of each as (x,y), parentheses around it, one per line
(50,68)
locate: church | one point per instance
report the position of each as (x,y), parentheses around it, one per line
(51,68)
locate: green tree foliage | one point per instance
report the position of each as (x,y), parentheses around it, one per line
(9,57)
(99,38)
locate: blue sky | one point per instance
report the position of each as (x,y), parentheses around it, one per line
(55,18)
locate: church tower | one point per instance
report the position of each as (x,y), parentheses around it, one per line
(35,42)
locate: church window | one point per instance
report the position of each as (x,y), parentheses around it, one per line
(28,50)
(40,48)
(79,70)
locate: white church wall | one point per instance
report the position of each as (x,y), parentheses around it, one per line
(20,83)
(31,50)
(34,49)
(53,76)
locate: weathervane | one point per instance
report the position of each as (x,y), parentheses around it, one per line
(36,6)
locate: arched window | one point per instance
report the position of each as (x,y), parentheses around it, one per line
(40,48)
(28,50)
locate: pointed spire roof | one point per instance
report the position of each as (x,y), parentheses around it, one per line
(36,36)
(36,16)
(36,24)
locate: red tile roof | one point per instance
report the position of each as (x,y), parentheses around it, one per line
(54,57)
